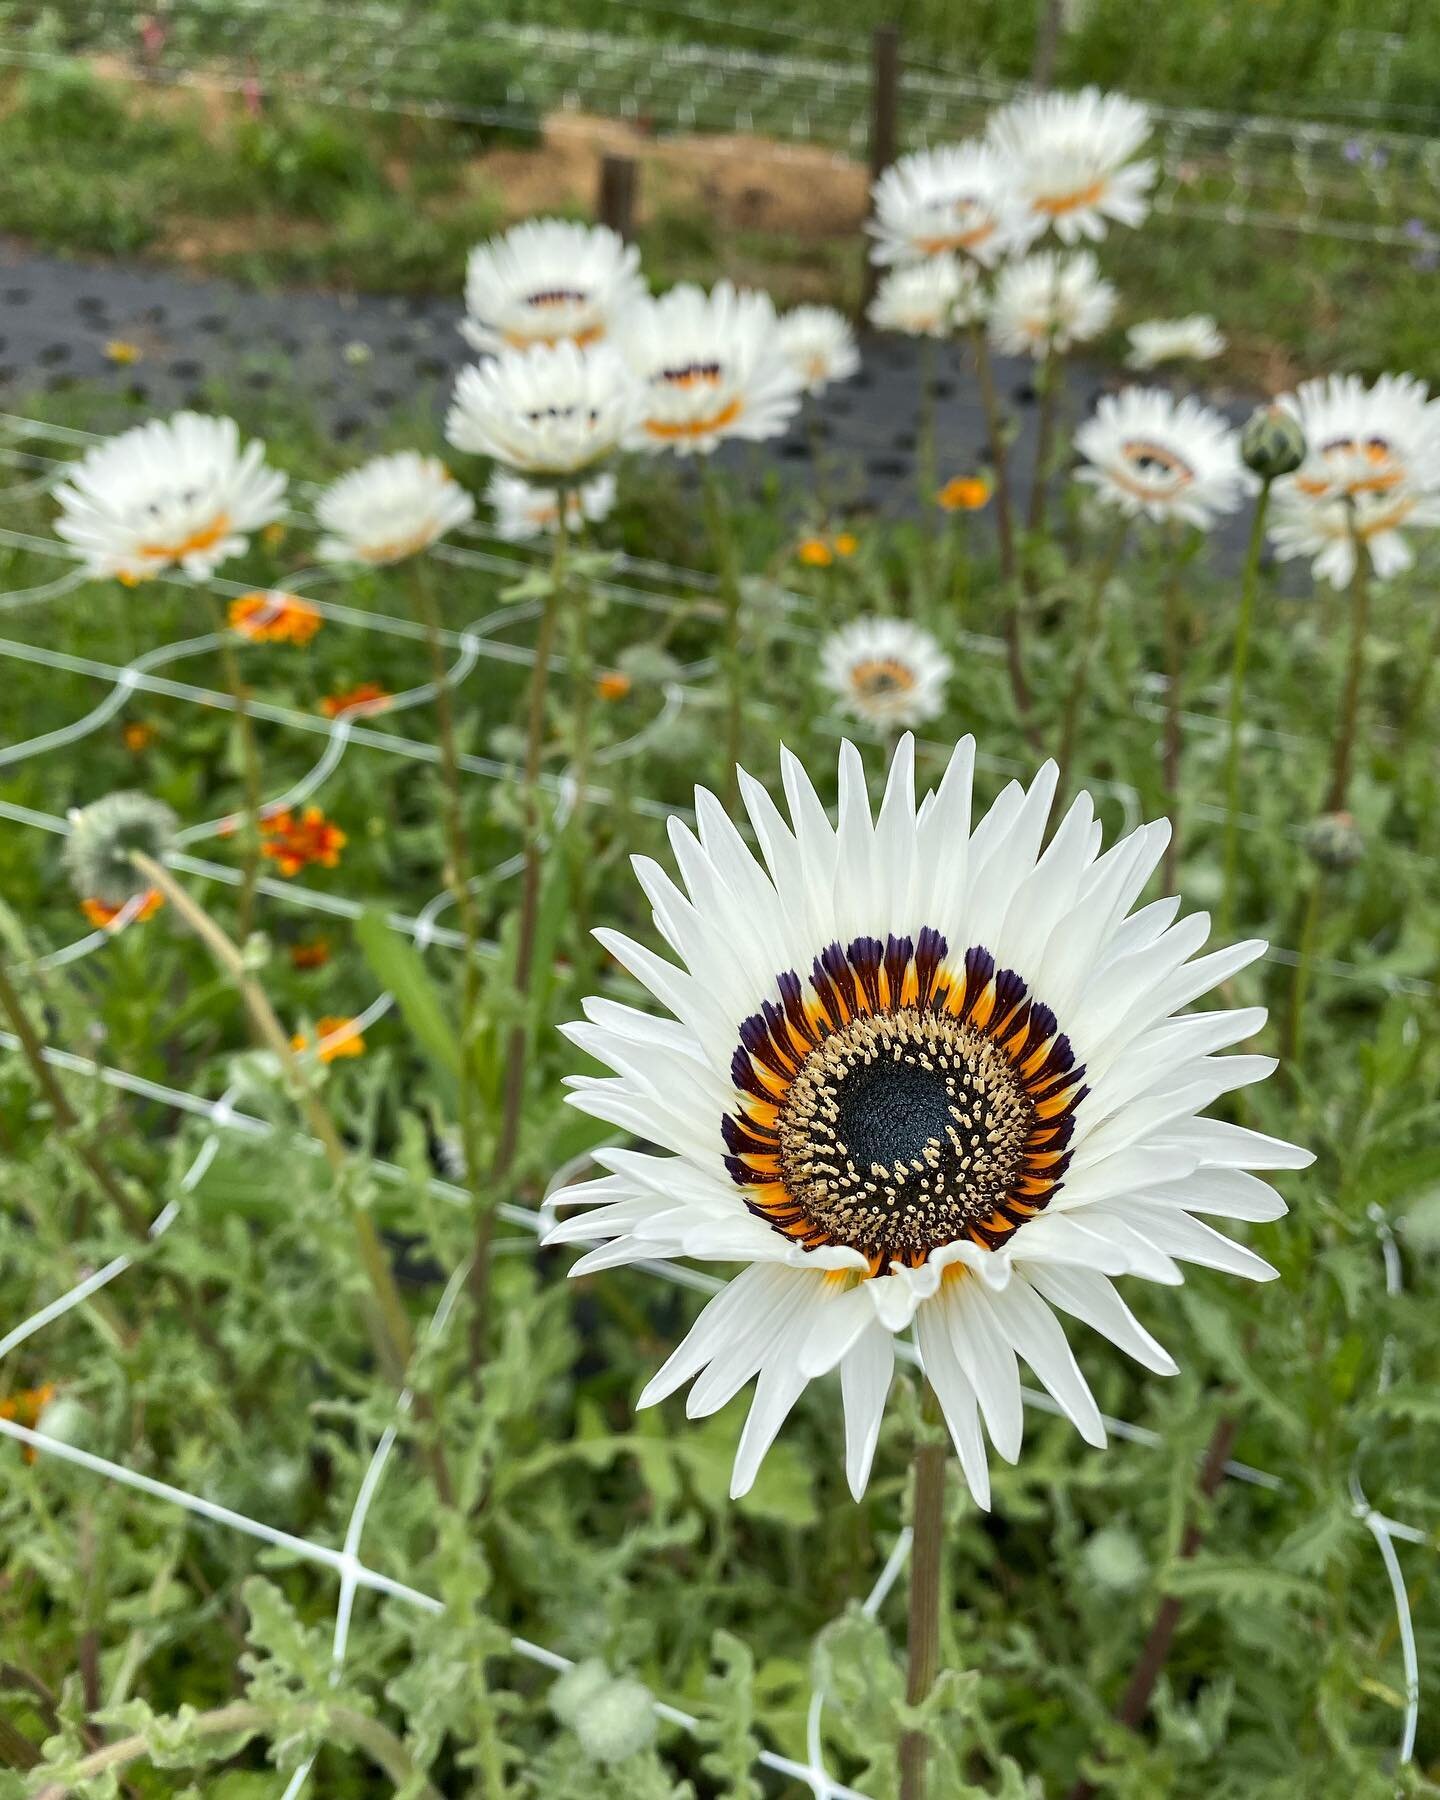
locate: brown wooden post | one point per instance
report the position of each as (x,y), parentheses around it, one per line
(884,124)
(615,204)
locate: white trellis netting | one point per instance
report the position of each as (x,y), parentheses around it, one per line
(1353,180)
(471,647)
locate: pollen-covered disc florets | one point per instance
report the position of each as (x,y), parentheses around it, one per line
(896,1103)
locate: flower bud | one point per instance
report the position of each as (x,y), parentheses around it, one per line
(104,835)
(1334,842)
(1114,1559)
(1272,442)
(616,1721)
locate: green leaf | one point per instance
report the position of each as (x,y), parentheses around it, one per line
(401,968)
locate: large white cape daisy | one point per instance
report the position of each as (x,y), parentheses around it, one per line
(1072,160)
(389,508)
(1047,302)
(524,511)
(917,1071)
(820,343)
(550,411)
(1149,454)
(958,197)
(1195,338)
(178,491)
(712,366)
(933,298)
(887,672)
(548,281)
(1371,470)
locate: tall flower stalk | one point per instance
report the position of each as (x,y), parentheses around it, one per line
(250,774)
(1087,644)
(927,1563)
(518,1037)
(1348,722)
(1239,662)
(720,527)
(1004,528)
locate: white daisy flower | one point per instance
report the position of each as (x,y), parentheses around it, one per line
(1326,530)
(390,508)
(181,491)
(928,299)
(886,671)
(1371,470)
(548,411)
(524,511)
(1149,454)
(1363,440)
(549,281)
(1049,302)
(1195,338)
(955,198)
(916,1071)
(712,366)
(1072,160)
(820,344)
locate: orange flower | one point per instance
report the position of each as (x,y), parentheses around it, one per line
(102,916)
(274,534)
(815,553)
(965,493)
(367,696)
(122,351)
(614,684)
(292,841)
(274,618)
(314,953)
(26,1409)
(846,544)
(333,1037)
(138,736)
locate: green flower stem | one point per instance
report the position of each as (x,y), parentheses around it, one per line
(1238,664)
(458,881)
(927,1556)
(1350,703)
(1086,646)
(1300,981)
(1051,382)
(512,1103)
(1004,532)
(1174,629)
(393,1342)
(718,523)
(339,1724)
(250,769)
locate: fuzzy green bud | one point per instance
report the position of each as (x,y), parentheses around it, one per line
(1115,1559)
(1334,842)
(617,1721)
(1272,442)
(104,836)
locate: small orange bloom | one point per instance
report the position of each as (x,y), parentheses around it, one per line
(366,696)
(122,351)
(965,493)
(138,736)
(614,684)
(292,841)
(333,1037)
(274,534)
(26,1409)
(274,618)
(815,553)
(314,953)
(846,544)
(102,916)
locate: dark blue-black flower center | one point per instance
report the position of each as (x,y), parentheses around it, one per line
(888,1111)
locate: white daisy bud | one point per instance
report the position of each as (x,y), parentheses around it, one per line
(1115,1559)
(615,1720)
